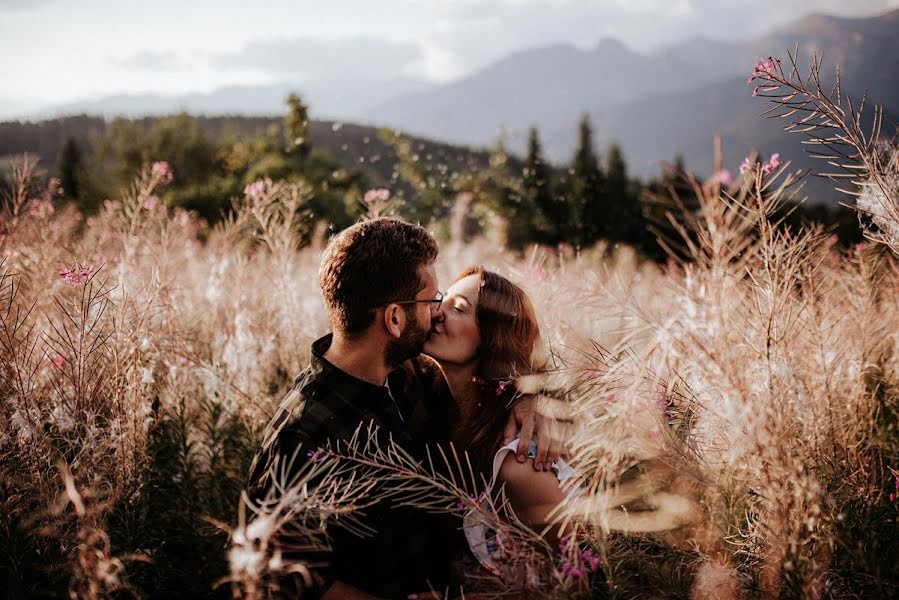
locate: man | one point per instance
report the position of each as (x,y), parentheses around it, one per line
(379,284)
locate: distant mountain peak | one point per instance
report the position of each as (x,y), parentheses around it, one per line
(610,44)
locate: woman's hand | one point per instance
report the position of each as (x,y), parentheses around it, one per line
(546,415)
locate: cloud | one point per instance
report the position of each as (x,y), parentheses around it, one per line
(151,60)
(22,5)
(472,33)
(310,58)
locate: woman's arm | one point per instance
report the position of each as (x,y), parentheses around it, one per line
(532,494)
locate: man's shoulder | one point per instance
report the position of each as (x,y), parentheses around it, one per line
(305,410)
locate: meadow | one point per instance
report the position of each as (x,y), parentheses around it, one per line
(735,408)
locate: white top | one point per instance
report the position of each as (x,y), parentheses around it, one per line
(481,537)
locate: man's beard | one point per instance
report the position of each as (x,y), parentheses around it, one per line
(409,345)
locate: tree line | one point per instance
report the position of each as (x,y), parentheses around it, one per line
(589,199)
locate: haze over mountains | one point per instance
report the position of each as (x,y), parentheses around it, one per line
(655,105)
(673,100)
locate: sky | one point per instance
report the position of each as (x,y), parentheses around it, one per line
(58,51)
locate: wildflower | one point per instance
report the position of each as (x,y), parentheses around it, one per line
(254,189)
(58,361)
(591,560)
(571,570)
(772,163)
(535,273)
(723,177)
(317,455)
(376,195)
(163,171)
(69,276)
(152,202)
(746,166)
(40,208)
(764,69)
(75,277)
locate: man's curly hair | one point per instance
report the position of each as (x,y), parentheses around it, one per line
(370,264)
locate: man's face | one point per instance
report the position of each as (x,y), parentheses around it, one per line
(418,322)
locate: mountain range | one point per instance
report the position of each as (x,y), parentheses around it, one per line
(655,105)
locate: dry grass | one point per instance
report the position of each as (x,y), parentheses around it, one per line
(736,413)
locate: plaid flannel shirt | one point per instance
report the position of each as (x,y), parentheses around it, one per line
(411,549)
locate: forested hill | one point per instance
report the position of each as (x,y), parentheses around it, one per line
(351,146)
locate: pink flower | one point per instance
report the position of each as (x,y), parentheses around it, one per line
(111,205)
(764,69)
(58,361)
(163,171)
(151,203)
(502,385)
(317,455)
(723,177)
(40,208)
(69,276)
(893,497)
(536,274)
(771,164)
(746,166)
(255,189)
(74,277)
(376,195)
(592,560)
(571,570)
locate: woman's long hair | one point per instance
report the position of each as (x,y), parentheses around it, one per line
(510,347)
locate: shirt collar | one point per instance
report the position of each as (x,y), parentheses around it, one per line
(322,367)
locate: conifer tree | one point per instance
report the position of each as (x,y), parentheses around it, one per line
(296,127)
(623,224)
(549,212)
(588,215)
(70,169)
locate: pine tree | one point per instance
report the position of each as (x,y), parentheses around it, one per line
(536,181)
(296,127)
(70,169)
(505,194)
(588,215)
(624,222)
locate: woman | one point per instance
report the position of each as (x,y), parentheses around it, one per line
(486,334)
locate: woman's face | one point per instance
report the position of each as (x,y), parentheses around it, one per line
(454,334)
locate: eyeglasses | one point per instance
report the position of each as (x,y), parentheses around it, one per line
(438,300)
